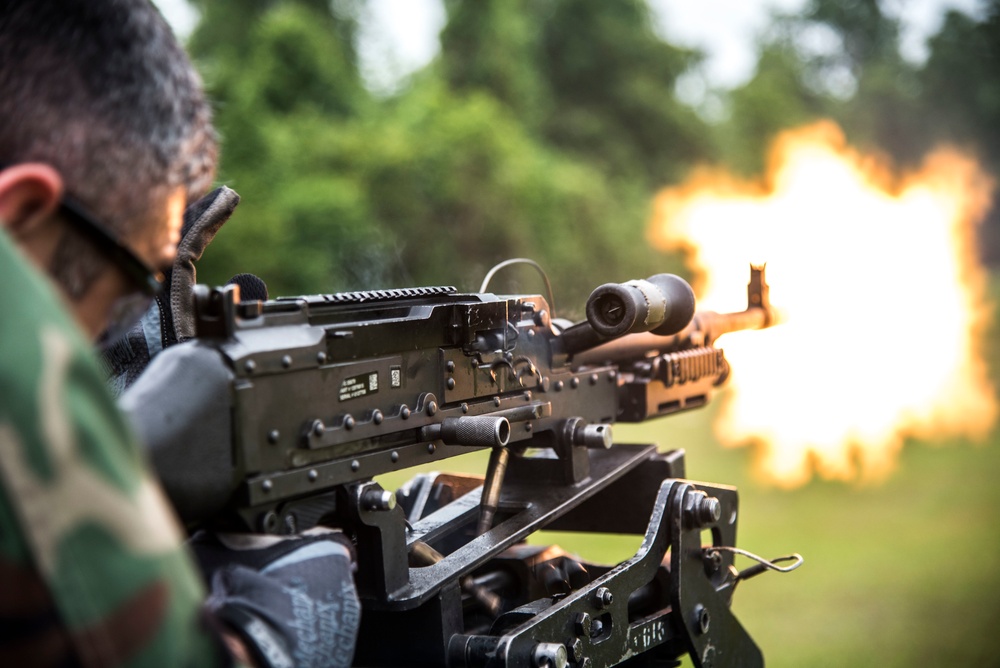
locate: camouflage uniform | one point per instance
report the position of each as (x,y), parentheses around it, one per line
(92,568)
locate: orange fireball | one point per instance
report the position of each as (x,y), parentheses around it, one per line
(880,294)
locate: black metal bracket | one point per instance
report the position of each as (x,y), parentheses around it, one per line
(594,621)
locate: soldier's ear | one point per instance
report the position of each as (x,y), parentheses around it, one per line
(29,194)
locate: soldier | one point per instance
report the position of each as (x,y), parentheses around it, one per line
(105,135)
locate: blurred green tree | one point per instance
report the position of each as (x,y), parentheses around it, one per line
(285,77)
(495,46)
(961,97)
(345,191)
(612,83)
(838,59)
(775,99)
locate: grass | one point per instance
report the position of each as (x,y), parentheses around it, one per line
(904,573)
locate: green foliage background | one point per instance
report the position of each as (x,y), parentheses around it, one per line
(542,130)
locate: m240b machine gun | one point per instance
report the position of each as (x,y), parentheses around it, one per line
(280,414)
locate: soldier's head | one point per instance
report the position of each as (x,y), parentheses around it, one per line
(103,125)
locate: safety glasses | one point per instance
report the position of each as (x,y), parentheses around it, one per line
(129,308)
(146,281)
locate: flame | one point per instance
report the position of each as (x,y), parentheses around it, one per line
(880,294)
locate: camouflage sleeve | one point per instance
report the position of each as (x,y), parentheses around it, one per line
(92,565)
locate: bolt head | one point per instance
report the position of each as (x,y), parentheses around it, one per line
(582,624)
(575,649)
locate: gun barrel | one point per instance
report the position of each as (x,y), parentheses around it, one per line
(587,344)
(705,328)
(663,303)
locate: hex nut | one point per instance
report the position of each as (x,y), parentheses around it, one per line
(603,597)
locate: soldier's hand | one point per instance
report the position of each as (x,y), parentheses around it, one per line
(291,600)
(170,319)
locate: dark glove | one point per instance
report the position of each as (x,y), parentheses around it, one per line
(170,319)
(291,600)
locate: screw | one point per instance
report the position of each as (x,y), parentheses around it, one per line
(394,456)
(404,412)
(582,624)
(267,485)
(432,407)
(603,597)
(321,357)
(702,618)
(355,465)
(250,366)
(559,385)
(703,510)
(496,401)
(713,561)
(273,436)
(348,422)
(431,448)
(318,428)
(574,382)
(465,407)
(286,361)
(449,366)
(450,383)
(313,475)
(377,416)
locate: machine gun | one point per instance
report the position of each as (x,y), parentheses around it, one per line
(280,414)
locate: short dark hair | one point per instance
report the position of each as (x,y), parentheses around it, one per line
(102,91)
